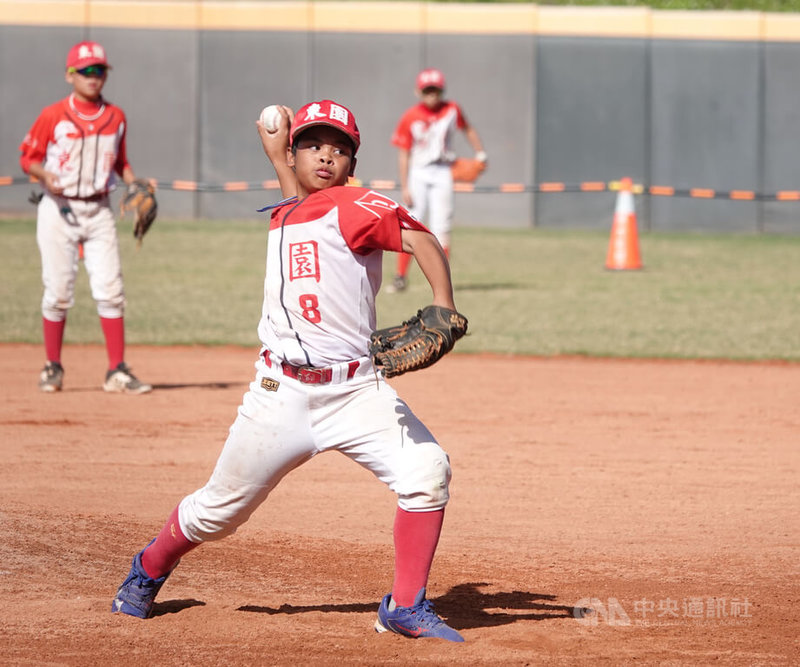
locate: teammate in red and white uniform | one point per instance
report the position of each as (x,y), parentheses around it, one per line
(76,149)
(423,138)
(315,388)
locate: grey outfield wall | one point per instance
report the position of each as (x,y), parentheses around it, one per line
(687,113)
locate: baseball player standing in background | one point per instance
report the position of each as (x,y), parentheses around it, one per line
(423,136)
(316,388)
(76,149)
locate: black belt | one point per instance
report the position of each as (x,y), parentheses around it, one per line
(97,197)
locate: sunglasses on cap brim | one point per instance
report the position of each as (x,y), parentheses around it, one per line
(91,70)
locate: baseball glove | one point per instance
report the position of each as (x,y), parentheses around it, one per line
(417,343)
(467,170)
(140,199)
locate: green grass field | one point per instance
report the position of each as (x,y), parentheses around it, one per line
(530,292)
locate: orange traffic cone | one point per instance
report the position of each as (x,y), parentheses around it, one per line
(623,246)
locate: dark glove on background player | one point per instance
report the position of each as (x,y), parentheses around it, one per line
(140,199)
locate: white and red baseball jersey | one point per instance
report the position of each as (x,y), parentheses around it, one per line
(427,133)
(324,268)
(324,263)
(86,149)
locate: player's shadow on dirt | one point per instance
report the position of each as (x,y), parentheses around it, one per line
(200,385)
(162,387)
(464,606)
(175,606)
(357,608)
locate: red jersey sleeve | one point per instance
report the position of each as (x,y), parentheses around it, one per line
(371,221)
(34,145)
(461,119)
(122,151)
(402,133)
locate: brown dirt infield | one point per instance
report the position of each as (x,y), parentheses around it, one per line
(663,495)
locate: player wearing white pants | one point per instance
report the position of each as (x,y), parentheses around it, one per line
(431,190)
(423,138)
(62,227)
(277,431)
(316,389)
(76,149)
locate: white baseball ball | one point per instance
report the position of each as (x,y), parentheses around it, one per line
(271,117)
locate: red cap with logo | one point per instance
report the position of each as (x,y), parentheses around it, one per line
(84,54)
(326,112)
(430,78)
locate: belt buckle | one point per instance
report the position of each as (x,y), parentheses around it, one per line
(311,375)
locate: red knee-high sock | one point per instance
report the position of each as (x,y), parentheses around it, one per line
(161,556)
(53,338)
(114,332)
(403,260)
(416,535)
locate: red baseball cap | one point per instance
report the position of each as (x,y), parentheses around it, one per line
(84,54)
(430,78)
(326,112)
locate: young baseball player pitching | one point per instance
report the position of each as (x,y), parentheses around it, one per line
(76,149)
(423,137)
(316,388)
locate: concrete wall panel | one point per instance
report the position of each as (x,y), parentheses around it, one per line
(781,135)
(705,131)
(592,122)
(155,80)
(241,73)
(612,95)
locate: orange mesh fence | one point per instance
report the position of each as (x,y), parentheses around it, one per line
(501,188)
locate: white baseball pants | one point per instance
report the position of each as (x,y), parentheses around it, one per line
(282,423)
(58,234)
(431,189)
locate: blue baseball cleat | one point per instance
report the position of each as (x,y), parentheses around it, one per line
(138,592)
(418,620)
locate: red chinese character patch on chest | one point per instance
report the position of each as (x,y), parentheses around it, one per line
(304,260)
